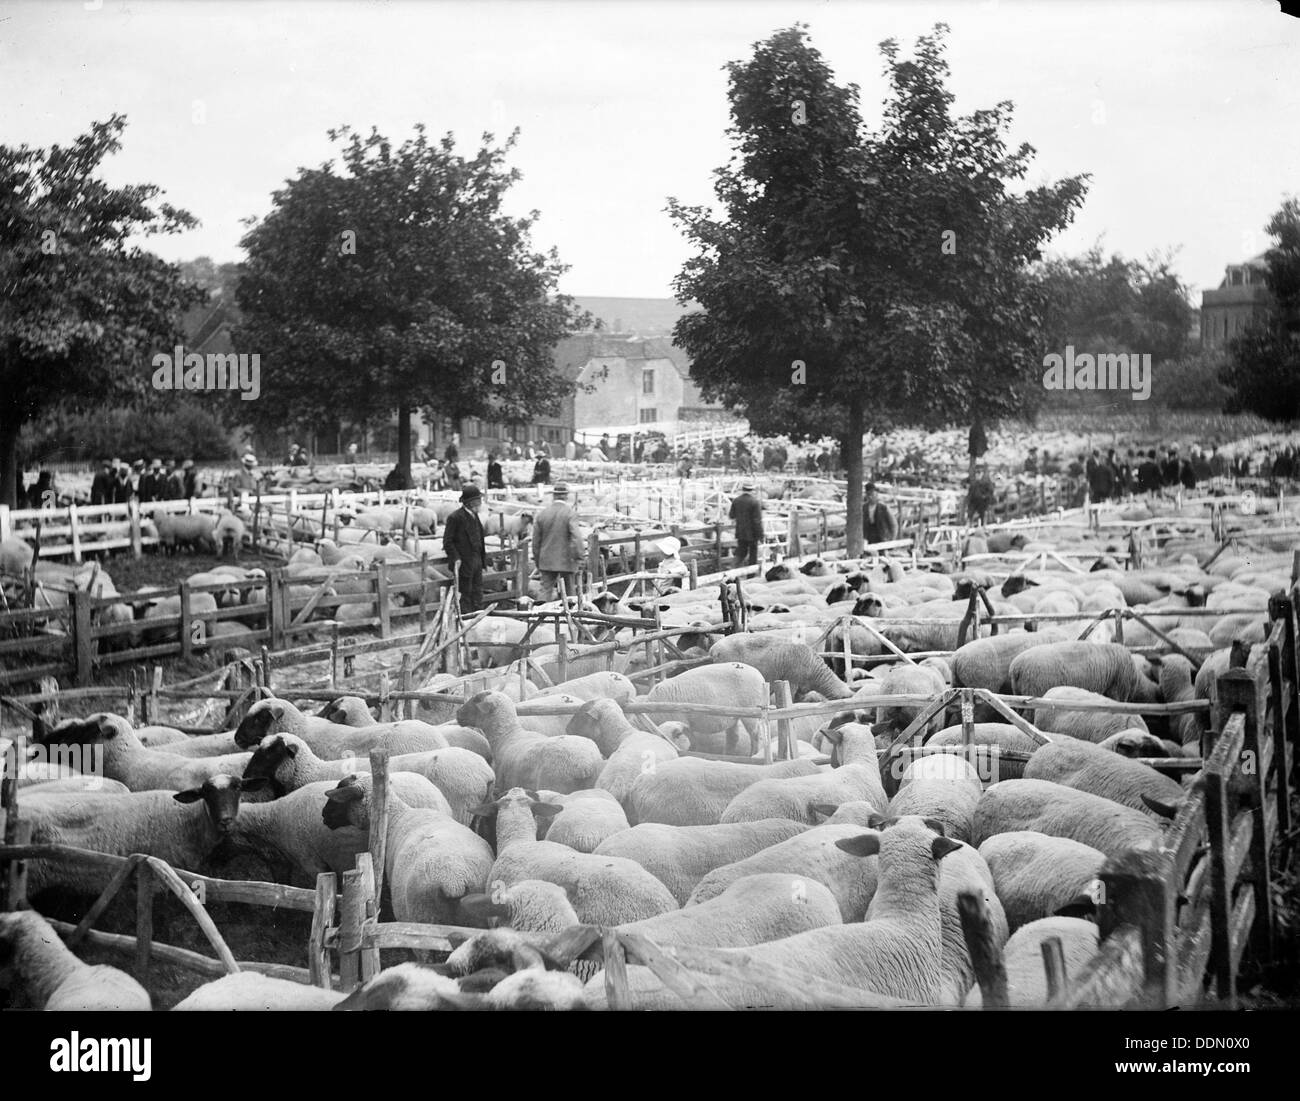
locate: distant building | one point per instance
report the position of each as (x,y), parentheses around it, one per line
(1227,310)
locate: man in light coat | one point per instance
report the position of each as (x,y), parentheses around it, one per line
(557,543)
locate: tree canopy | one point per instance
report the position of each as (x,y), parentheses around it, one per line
(860,275)
(393,282)
(1263,369)
(82,310)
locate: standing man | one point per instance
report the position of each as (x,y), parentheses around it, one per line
(542,471)
(466,548)
(748,516)
(123,490)
(557,543)
(101,489)
(189,479)
(1149,473)
(495,478)
(175,482)
(878,524)
(149,488)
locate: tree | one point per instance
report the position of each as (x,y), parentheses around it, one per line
(397,283)
(1263,369)
(82,311)
(865,277)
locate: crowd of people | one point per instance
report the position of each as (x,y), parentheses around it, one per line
(158,480)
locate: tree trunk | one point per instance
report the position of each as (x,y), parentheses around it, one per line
(404,444)
(10,479)
(853,464)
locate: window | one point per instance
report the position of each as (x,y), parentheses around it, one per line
(649,416)
(648,383)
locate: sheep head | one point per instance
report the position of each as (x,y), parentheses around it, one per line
(273,759)
(595,717)
(220,797)
(267,717)
(100,728)
(487,711)
(345,805)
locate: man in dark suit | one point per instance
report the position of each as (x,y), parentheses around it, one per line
(878,524)
(462,539)
(101,489)
(1149,473)
(748,515)
(495,478)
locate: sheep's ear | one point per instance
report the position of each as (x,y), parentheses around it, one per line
(866,844)
(942,846)
(290,748)
(832,734)
(935,825)
(879,822)
(456,939)
(277,711)
(254,783)
(546,810)
(825,810)
(480,907)
(532,795)
(1080,907)
(484,810)
(1165,810)
(191,796)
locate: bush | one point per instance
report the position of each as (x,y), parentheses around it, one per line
(182,429)
(1190,383)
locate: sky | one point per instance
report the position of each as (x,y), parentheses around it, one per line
(1183,112)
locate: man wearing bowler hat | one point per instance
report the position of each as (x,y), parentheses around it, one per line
(462,539)
(557,543)
(748,515)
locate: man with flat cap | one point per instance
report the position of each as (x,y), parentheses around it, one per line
(462,539)
(557,543)
(878,524)
(748,515)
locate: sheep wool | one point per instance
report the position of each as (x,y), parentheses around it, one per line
(524,758)
(1090,726)
(690,791)
(588,818)
(1106,669)
(943,787)
(1023,957)
(248,991)
(52,978)
(1090,768)
(1062,812)
(1034,875)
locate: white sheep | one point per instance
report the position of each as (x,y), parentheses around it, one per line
(249,990)
(1023,958)
(199,745)
(352,711)
(1034,875)
(330,741)
(408,987)
(589,817)
(129,762)
(814,854)
(1090,726)
(939,786)
(628,749)
(857,778)
(724,684)
(431,861)
(523,758)
(680,856)
(986,662)
(603,685)
(690,791)
(1090,768)
(1106,669)
(52,978)
(1062,812)
(605,890)
(527,906)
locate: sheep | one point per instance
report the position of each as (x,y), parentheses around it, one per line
(431,861)
(1106,669)
(202,606)
(690,791)
(680,856)
(897,954)
(1090,768)
(200,745)
(522,758)
(129,762)
(906,680)
(605,685)
(812,853)
(181,530)
(630,751)
(1138,743)
(527,906)
(940,786)
(249,990)
(780,660)
(857,777)
(1023,958)
(1034,875)
(152,737)
(991,740)
(73,785)
(725,684)
(605,890)
(1088,726)
(963,870)
(330,741)
(1176,686)
(352,711)
(1062,812)
(588,818)
(986,662)
(149,822)
(52,978)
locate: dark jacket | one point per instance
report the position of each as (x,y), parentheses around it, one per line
(190,482)
(462,538)
(883,529)
(495,478)
(122,491)
(541,471)
(1148,475)
(748,514)
(101,489)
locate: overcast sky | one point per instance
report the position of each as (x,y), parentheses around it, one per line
(1184,112)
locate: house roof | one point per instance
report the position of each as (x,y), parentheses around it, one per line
(640,316)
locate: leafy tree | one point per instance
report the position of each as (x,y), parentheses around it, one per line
(1263,371)
(893,265)
(174,427)
(395,282)
(82,311)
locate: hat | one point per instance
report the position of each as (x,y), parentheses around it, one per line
(669,546)
(249,459)
(747,487)
(187,464)
(115,462)
(470,493)
(560,489)
(138,464)
(870,487)
(156,464)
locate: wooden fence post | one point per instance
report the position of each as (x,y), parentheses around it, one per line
(1138,892)
(785,731)
(75,532)
(13,888)
(144,888)
(83,639)
(385,701)
(184,628)
(369,916)
(378,824)
(352,913)
(381,598)
(133,524)
(274,609)
(322,919)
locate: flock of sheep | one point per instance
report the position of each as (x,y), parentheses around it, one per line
(843,865)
